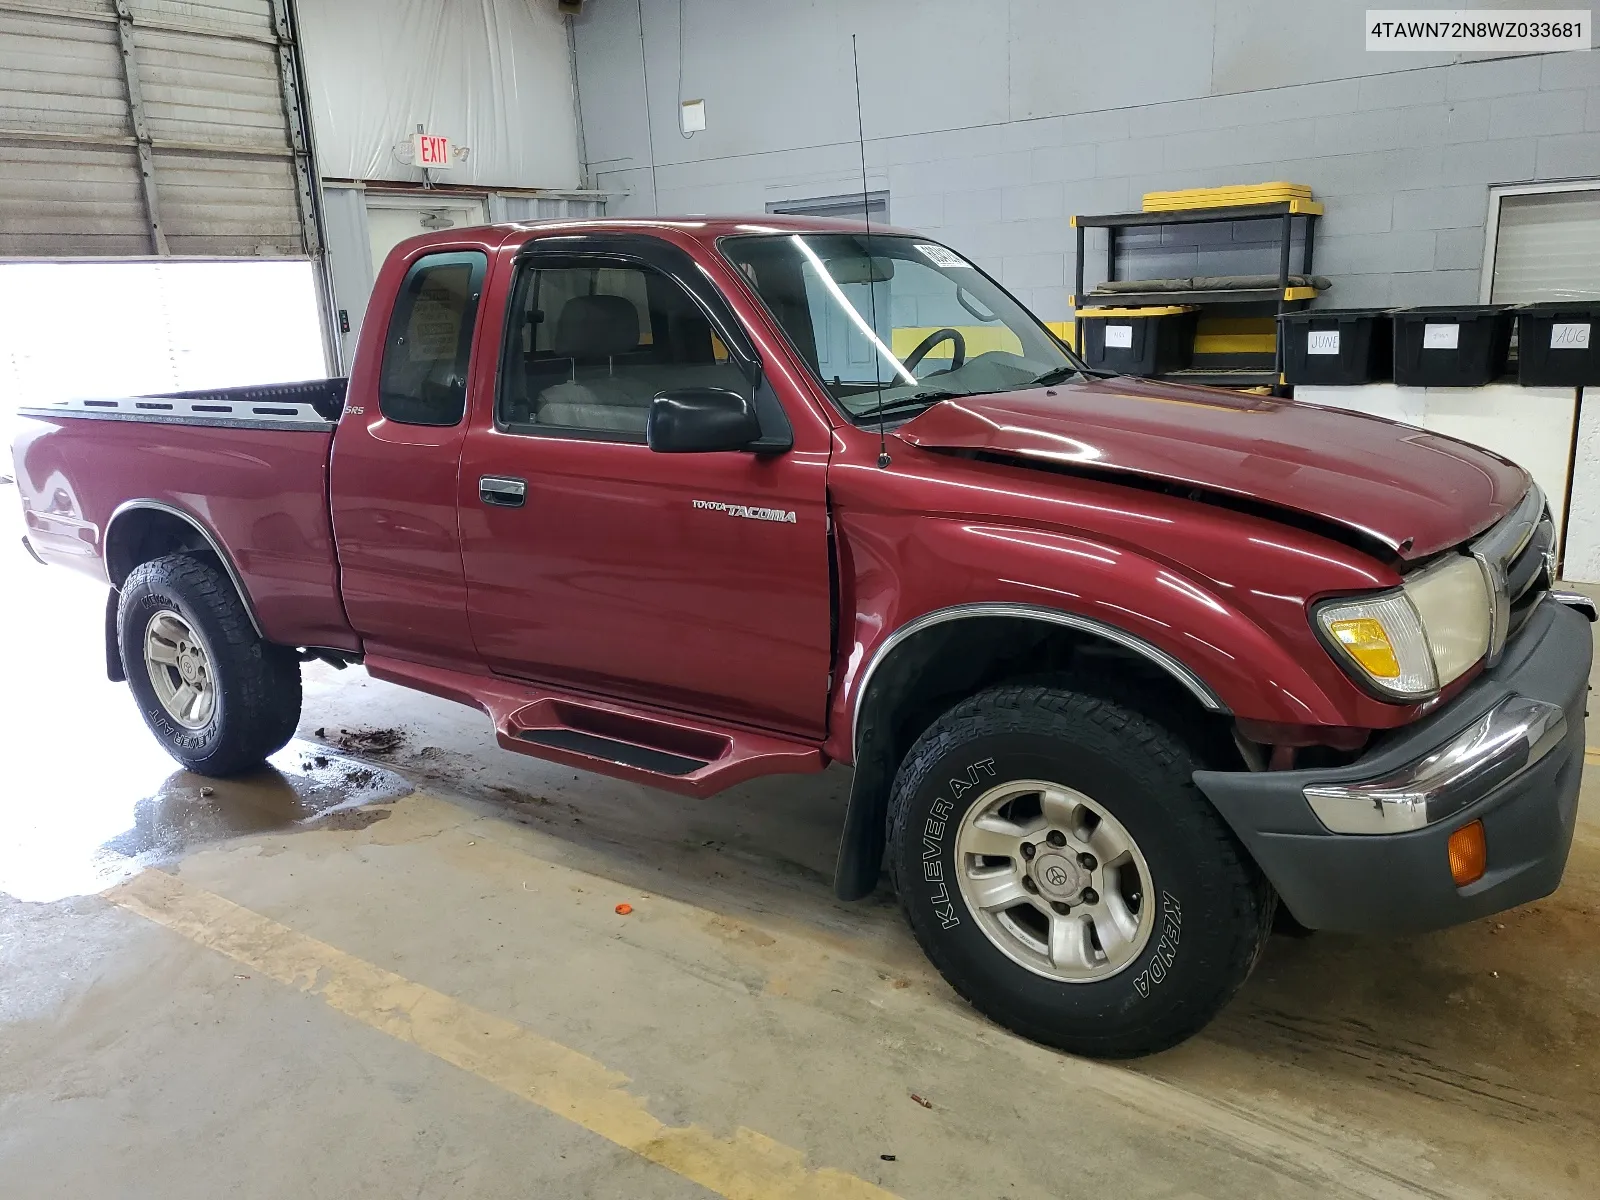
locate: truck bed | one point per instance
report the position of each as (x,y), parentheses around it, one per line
(248,467)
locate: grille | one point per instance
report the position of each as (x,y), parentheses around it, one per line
(1518,555)
(1528,574)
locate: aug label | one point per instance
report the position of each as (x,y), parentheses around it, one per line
(1569,335)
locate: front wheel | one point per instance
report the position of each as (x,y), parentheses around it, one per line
(1060,868)
(216,696)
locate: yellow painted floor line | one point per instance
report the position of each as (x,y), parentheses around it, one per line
(746,1166)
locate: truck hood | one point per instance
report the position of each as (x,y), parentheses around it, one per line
(1415,492)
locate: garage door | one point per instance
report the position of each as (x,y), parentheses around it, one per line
(152,127)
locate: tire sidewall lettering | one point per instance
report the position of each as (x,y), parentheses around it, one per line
(258,694)
(191,741)
(184,739)
(1166,946)
(934,829)
(955,785)
(1204,908)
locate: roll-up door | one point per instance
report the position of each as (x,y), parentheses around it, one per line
(153,127)
(1547,247)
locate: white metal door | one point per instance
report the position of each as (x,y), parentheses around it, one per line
(153,127)
(393,219)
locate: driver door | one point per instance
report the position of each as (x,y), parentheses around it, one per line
(696,582)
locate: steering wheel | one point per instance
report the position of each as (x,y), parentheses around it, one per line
(958,353)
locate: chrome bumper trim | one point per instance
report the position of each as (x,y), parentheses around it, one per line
(1503,743)
(1578,601)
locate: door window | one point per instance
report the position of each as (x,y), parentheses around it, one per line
(426,354)
(589,346)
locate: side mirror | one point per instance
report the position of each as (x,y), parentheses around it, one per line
(699,419)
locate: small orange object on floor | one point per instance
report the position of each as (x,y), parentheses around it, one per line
(624,909)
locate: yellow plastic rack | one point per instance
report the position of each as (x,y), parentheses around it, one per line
(1296,195)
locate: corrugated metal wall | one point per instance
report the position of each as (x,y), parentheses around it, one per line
(152,127)
(510,206)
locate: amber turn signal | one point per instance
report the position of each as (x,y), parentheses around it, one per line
(1367,641)
(1469,854)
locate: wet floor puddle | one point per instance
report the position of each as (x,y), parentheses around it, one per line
(82,839)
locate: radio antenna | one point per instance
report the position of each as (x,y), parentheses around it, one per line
(872,289)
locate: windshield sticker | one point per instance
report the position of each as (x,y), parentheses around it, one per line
(940,257)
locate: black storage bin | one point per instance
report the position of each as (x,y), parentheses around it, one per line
(1157,339)
(1336,345)
(1451,345)
(1558,344)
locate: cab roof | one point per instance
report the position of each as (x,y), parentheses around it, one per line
(706,229)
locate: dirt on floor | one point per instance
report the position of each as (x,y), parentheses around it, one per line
(735,993)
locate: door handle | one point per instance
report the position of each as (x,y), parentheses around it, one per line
(503,491)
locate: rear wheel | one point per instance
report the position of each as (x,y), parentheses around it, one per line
(216,696)
(1059,867)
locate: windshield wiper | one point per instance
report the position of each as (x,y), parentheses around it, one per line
(1061,374)
(923,399)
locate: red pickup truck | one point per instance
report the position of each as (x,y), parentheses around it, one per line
(1121,666)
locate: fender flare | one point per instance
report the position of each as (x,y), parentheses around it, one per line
(862,841)
(211,540)
(1029,612)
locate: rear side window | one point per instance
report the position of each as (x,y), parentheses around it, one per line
(425,357)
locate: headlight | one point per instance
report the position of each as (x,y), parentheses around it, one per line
(1410,642)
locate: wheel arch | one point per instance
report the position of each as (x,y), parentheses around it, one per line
(935,660)
(1087,626)
(142,530)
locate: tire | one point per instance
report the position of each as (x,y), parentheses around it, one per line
(243,697)
(1198,910)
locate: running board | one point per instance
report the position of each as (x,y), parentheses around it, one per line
(645,746)
(623,753)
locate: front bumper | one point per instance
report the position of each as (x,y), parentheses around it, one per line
(1508,752)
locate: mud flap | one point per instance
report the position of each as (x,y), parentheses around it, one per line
(861,844)
(114,671)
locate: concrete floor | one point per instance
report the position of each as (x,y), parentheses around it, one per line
(393,967)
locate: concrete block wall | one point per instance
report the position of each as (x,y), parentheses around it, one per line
(1581,561)
(989,122)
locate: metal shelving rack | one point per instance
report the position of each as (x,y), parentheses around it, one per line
(1284,297)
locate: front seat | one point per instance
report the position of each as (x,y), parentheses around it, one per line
(593,331)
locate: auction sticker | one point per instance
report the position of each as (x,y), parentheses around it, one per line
(940,257)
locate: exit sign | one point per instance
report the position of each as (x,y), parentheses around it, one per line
(432,151)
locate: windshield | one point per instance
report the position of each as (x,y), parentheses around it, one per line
(904,326)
